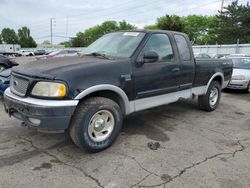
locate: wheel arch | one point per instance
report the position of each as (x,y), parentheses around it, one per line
(109,91)
(216,77)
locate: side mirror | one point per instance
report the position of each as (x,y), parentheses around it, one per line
(150,57)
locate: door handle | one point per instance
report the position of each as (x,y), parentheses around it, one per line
(176,69)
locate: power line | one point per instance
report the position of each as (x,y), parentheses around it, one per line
(136,13)
(116,12)
(38,22)
(110,8)
(130,15)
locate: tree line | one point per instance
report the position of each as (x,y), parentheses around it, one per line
(22,37)
(228,26)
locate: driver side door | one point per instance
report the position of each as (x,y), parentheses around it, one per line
(159,77)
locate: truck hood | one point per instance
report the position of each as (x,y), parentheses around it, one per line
(53,68)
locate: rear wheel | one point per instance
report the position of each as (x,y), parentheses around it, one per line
(96,124)
(210,101)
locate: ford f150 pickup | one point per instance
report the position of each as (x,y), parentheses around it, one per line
(119,74)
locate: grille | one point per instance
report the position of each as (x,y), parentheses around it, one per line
(19,85)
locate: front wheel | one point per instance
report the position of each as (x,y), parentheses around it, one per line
(210,101)
(96,124)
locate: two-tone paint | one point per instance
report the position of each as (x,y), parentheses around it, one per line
(133,86)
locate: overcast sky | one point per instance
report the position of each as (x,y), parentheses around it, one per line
(83,14)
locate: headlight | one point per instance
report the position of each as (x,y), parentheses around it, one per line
(239,77)
(49,89)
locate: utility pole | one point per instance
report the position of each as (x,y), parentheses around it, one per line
(67,23)
(52,20)
(222,5)
(51,41)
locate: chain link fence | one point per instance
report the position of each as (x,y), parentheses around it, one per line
(223,49)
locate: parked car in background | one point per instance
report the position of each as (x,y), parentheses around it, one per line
(219,56)
(26,53)
(237,55)
(48,52)
(4,80)
(59,53)
(202,56)
(39,52)
(6,62)
(241,74)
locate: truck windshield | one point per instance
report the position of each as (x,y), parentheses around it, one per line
(120,44)
(242,63)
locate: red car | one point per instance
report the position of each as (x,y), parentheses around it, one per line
(59,53)
(6,63)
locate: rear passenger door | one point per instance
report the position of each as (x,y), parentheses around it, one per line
(162,76)
(187,66)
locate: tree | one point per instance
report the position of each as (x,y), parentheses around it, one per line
(234,22)
(173,22)
(123,25)
(92,34)
(46,42)
(201,29)
(25,40)
(66,44)
(1,39)
(151,27)
(9,36)
(79,40)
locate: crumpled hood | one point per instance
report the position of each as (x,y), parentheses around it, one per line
(54,67)
(244,72)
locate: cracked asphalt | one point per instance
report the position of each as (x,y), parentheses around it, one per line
(197,149)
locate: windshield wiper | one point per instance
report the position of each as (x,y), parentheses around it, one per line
(97,54)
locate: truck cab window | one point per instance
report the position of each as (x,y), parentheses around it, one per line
(183,47)
(160,43)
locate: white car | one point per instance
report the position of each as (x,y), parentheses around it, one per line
(237,56)
(241,74)
(26,53)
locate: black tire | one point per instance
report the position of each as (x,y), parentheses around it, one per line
(81,119)
(248,88)
(204,100)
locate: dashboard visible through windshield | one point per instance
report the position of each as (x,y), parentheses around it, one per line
(120,44)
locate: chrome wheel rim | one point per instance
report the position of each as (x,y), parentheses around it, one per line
(101,125)
(213,97)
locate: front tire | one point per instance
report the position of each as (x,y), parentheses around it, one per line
(96,124)
(210,101)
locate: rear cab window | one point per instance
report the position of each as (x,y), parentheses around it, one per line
(183,47)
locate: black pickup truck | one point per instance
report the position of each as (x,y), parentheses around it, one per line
(119,74)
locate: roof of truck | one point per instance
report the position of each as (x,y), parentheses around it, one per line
(151,31)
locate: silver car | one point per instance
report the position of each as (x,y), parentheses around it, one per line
(241,74)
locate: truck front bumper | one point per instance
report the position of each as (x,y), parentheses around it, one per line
(45,115)
(238,84)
